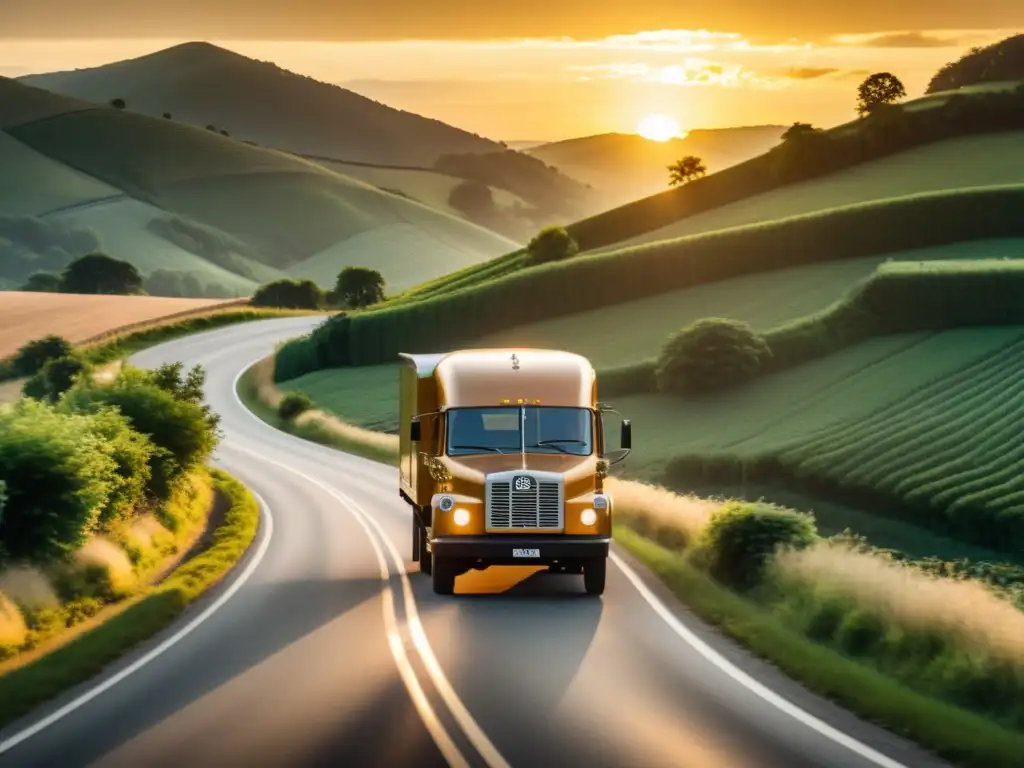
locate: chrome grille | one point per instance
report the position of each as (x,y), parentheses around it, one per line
(538,506)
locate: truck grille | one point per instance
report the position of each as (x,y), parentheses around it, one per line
(523,501)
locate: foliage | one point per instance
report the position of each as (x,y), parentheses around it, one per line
(737,543)
(289,294)
(43,282)
(358,287)
(293,404)
(473,199)
(117,103)
(33,355)
(552,243)
(29,244)
(59,472)
(999,62)
(55,378)
(209,243)
(686,169)
(708,355)
(879,89)
(99,273)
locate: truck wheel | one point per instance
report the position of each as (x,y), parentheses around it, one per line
(444,576)
(593,575)
(426,556)
(415,538)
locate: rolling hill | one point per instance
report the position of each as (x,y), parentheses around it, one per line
(202,84)
(247,214)
(625,167)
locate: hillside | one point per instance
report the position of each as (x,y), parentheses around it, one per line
(245,214)
(999,62)
(202,84)
(625,167)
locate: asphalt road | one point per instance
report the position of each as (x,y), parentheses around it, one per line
(327,647)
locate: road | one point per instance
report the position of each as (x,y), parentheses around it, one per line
(325,646)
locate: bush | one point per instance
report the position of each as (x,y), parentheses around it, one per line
(31,357)
(710,354)
(132,453)
(293,405)
(55,378)
(740,538)
(551,244)
(59,472)
(289,294)
(358,287)
(97,273)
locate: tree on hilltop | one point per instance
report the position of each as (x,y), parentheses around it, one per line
(117,103)
(685,170)
(552,243)
(797,131)
(99,273)
(358,287)
(878,89)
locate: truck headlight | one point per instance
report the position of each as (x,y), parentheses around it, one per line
(600,501)
(445,503)
(461,517)
(588,517)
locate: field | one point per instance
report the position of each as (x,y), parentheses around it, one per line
(971,161)
(78,318)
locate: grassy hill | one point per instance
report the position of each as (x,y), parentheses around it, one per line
(114,172)
(624,167)
(202,84)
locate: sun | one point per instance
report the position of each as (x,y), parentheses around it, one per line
(658,128)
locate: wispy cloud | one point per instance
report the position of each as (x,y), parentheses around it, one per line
(810,73)
(692,72)
(664,40)
(941,38)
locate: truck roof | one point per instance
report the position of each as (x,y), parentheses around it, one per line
(487,377)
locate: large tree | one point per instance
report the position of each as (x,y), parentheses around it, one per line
(878,89)
(685,169)
(99,273)
(358,287)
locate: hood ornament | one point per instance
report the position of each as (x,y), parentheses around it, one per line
(515,362)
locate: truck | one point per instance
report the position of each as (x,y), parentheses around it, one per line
(503,462)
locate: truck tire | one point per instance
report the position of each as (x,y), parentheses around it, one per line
(594,571)
(426,556)
(444,576)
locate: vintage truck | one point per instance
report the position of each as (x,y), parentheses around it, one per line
(503,461)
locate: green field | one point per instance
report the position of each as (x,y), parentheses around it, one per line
(970,161)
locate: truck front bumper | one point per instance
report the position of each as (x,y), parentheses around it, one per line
(525,549)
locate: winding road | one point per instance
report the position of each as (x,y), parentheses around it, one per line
(325,646)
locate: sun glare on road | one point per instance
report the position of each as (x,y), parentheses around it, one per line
(658,128)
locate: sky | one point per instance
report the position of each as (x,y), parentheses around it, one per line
(535,70)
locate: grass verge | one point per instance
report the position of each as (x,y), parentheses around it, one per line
(25,688)
(955,734)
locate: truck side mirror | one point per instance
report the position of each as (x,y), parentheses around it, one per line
(626,440)
(415,430)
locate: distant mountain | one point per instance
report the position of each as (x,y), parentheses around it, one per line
(203,84)
(625,166)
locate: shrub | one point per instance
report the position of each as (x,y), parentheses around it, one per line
(289,294)
(59,472)
(740,538)
(551,244)
(358,287)
(97,273)
(31,357)
(132,453)
(55,378)
(294,404)
(714,353)
(43,282)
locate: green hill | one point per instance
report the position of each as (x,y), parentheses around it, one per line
(265,211)
(203,84)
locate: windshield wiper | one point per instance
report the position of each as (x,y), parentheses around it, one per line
(553,443)
(476,448)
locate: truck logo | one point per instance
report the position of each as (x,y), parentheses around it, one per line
(523,483)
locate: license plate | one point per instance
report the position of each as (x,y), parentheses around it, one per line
(525,553)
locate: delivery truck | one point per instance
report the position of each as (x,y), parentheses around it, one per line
(503,462)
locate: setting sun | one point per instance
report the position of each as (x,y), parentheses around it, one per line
(658,128)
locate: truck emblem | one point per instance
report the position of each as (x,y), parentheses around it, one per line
(523,484)
(515,362)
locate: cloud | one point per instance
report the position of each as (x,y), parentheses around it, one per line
(664,40)
(942,38)
(910,40)
(810,73)
(692,72)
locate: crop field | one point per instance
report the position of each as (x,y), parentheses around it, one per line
(51,186)
(972,161)
(121,225)
(26,316)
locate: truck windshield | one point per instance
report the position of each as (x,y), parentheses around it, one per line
(499,430)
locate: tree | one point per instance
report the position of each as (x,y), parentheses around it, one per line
(797,131)
(473,199)
(711,354)
(358,287)
(33,355)
(167,115)
(552,243)
(117,103)
(43,282)
(289,294)
(55,378)
(686,169)
(877,89)
(99,273)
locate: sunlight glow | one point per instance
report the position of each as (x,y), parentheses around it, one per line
(658,128)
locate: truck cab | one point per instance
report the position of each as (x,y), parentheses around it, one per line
(503,461)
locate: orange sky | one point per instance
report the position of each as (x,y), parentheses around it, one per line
(550,88)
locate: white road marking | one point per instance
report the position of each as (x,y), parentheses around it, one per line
(177,637)
(746,680)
